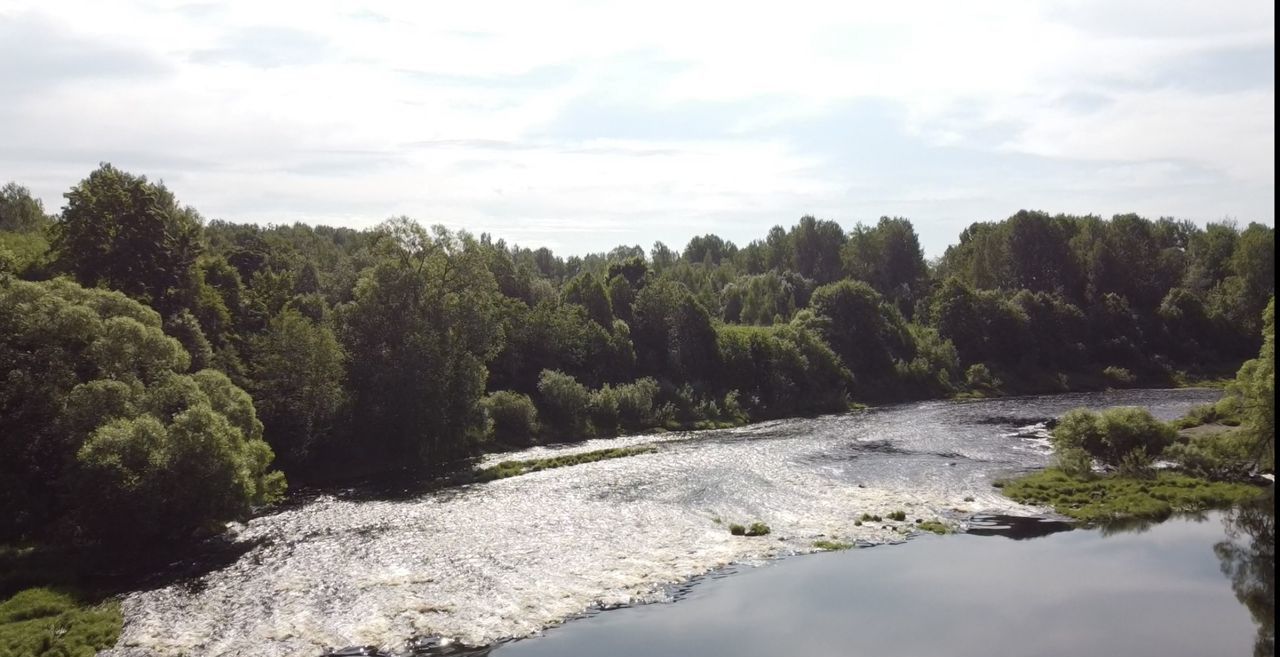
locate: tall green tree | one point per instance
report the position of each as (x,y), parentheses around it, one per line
(889,258)
(21,212)
(126,233)
(296,376)
(867,333)
(419,333)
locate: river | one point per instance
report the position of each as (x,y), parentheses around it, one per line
(510,558)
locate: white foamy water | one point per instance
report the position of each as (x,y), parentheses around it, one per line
(512,557)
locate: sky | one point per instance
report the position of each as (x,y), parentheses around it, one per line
(584,125)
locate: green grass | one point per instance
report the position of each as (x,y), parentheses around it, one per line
(824,544)
(867,517)
(933,526)
(44,622)
(897,515)
(1115,497)
(516,468)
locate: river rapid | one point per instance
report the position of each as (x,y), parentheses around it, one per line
(512,557)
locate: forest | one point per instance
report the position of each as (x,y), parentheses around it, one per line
(164,373)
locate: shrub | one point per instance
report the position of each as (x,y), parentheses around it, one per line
(1225,455)
(979,377)
(1137,464)
(1119,376)
(1075,462)
(1112,436)
(731,409)
(898,515)
(737,530)
(758,529)
(564,405)
(513,416)
(604,411)
(635,404)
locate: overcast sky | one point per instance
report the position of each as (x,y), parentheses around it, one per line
(583,125)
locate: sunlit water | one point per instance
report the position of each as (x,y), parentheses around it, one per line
(512,557)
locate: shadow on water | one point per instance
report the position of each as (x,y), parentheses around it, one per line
(1248,557)
(1018,528)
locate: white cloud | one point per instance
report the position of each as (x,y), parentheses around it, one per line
(695,113)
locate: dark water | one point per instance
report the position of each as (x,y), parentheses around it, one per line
(1157,591)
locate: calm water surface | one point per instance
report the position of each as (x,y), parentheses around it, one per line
(1158,592)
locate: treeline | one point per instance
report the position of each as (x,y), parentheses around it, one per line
(134,334)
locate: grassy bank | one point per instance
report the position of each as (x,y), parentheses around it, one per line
(43,622)
(516,468)
(1114,497)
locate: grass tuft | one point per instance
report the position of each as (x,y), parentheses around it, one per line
(934,526)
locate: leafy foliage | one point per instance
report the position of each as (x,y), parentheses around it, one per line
(99,421)
(1117,436)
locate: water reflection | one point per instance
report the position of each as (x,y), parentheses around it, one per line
(1154,593)
(1249,560)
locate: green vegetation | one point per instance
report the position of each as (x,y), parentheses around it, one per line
(828,545)
(104,427)
(754,529)
(46,623)
(516,468)
(934,526)
(1127,440)
(898,516)
(867,517)
(1116,497)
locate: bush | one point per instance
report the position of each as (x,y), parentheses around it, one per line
(1223,456)
(897,515)
(979,377)
(1112,436)
(635,404)
(1075,462)
(1119,376)
(513,416)
(1136,464)
(758,529)
(603,410)
(564,406)
(737,530)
